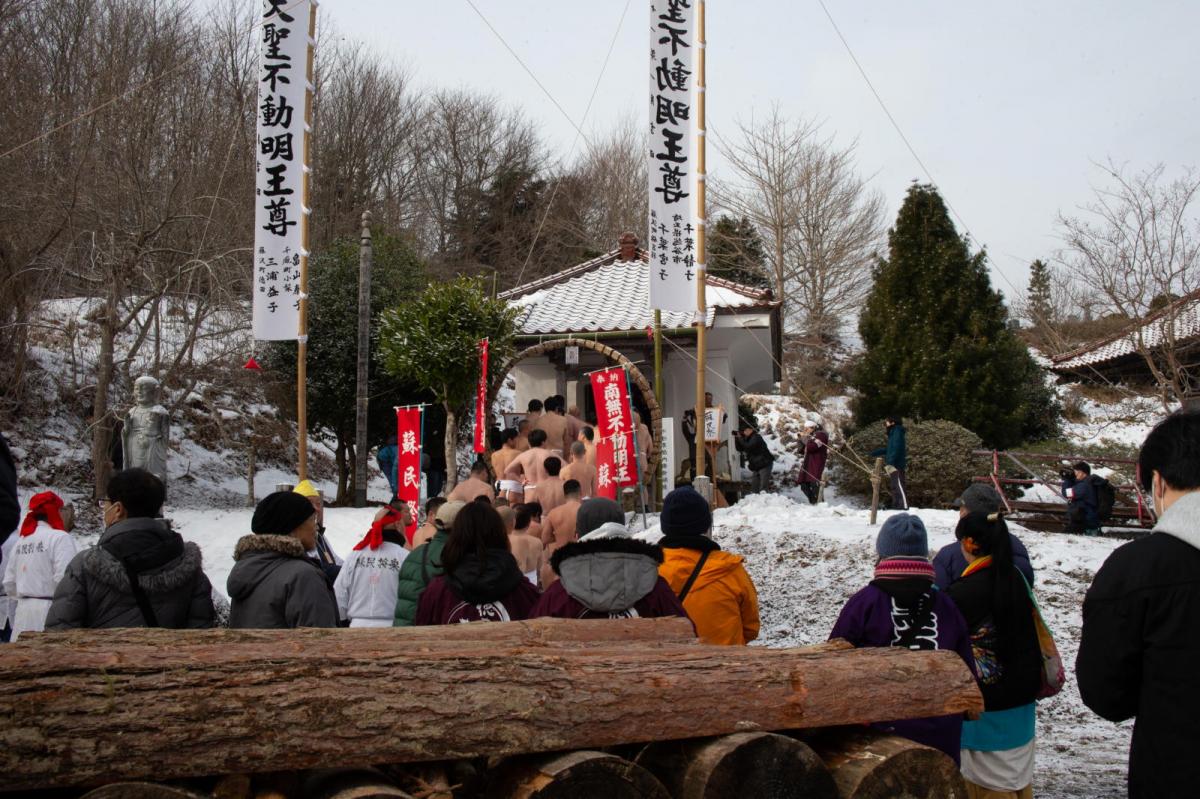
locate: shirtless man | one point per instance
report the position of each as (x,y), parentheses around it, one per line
(574,423)
(550,490)
(578,469)
(533,412)
(475,486)
(534,525)
(528,468)
(559,528)
(526,548)
(524,426)
(504,456)
(426,530)
(554,424)
(588,436)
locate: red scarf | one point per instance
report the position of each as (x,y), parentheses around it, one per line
(44,504)
(374,537)
(977,565)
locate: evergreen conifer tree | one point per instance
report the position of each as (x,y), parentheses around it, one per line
(936,339)
(1040,305)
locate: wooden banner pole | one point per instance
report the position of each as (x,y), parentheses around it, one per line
(302,337)
(701,260)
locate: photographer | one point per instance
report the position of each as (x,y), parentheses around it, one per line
(1082,503)
(758,457)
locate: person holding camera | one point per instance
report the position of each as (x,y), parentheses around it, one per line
(1083,505)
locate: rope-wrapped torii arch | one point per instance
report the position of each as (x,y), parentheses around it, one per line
(614,356)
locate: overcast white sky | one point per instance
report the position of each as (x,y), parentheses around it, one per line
(1008,104)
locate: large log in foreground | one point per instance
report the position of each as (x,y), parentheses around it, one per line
(243,702)
(574,775)
(534,632)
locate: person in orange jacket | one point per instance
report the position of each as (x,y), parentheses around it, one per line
(712,585)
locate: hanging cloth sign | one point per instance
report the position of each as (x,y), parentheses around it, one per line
(280,167)
(671,169)
(614,416)
(481,399)
(408,461)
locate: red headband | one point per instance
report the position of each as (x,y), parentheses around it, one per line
(374,536)
(45,504)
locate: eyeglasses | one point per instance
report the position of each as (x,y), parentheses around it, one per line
(103,503)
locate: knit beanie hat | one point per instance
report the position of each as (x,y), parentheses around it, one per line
(280,513)
(902,535)
(595,512)
(685,512)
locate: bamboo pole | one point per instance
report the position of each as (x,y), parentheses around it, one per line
(361,400)
(701,260)
(306,194)
(658,396)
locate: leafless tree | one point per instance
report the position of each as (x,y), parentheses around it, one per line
(1136,245)
(820,223)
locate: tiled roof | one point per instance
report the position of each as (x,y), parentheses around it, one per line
(606,294)
(1180,319)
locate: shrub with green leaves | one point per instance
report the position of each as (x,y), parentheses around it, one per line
(940,464)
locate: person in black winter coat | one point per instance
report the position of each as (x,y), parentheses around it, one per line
(274,584)
(1139,647)
(758,458)
(140,574)
(1083,504)
(10,505)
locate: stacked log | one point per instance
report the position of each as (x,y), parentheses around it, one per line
(102,706)
(869,765)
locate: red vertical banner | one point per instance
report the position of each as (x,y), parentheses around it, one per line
(481,399)
(606,482)
(614,417)
(408,461)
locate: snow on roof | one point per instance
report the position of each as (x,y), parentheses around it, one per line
(606,294)
(1177,323)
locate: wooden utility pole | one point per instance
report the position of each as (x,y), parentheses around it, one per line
(364,354)
(305,227)
(701,259)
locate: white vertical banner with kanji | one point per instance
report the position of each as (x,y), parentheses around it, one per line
(280,166)
(408,460)
(671,168)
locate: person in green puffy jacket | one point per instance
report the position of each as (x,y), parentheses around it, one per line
(422,565)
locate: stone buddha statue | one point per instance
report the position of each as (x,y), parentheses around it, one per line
(147,430)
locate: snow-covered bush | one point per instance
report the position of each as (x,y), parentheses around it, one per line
(940,464)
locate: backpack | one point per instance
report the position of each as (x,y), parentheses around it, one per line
(1106,497)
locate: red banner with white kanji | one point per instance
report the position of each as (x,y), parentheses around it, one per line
(614,417)
(606,484)
(408,461)
(481,399)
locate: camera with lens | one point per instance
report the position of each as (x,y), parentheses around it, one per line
(1066,474)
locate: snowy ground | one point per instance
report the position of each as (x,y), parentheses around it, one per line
(807,561)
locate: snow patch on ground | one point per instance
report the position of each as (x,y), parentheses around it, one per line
(1127,421)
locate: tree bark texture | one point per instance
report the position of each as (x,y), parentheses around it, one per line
(759,764)
(870,765)
(363,641)
(574,775)
(219,702)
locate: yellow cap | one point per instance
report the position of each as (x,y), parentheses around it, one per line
(305,488)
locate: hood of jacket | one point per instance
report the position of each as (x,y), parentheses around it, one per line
(256,557)
(607,575)
(1182,519)
(163,560)
(680,562)
(481,581)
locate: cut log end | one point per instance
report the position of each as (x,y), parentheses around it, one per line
(867,765)
(573,775)
(754,764)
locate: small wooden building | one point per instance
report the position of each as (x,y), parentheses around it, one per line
(600,310)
